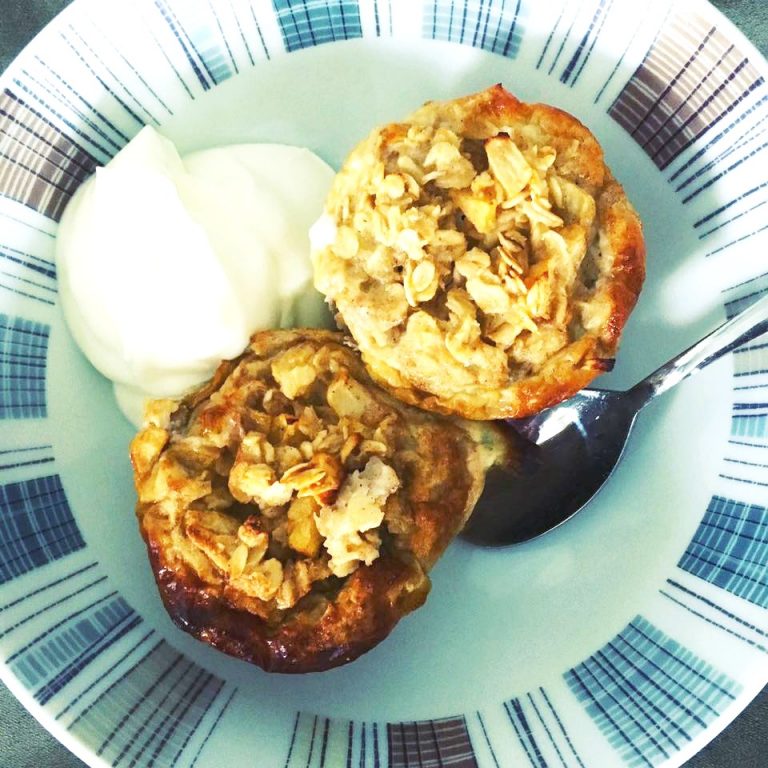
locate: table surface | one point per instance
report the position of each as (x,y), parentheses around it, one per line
(25,744)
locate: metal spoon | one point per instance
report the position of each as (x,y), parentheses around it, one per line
(564,454)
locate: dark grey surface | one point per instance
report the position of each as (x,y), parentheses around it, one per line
(25,744)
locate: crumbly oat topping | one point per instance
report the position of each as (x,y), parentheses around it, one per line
(457,260)
(283,477)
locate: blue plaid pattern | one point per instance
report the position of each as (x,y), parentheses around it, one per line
(23,352)
(306,23)
(730,549)
(648,694)
(36,526)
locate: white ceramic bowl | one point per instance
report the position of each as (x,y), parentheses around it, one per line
(631,635)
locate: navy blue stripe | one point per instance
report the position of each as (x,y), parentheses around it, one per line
(718,227)
(169,724)
(55,604)
(746,463)
(748,445)
(126,717)
(743,480)
(33,283)
(716,139)
(23,355)
(26,295)
(487,740)
(139,77)
(549,39)
(29,260)
(160,729)
(27,463)
(376,759)
(59,654)
(105,676)
(113,685)
(160,47)
(118,80)
(324,745)
(243,38)
(719,91)
(719,608)
(512,43)
(562,46)
(261,36)
(753,279)
(734,306)
(44,695)
(224,37)
(312,741)
(615,69)
(593,43)
(523,732)
(208,735)
(713,622)
(731,149)
(203,711)
(170,19)
(547,731)
(293,739)
(49,585)
(712,180)
(600,11)
(57,94)
(561,726)
(736,241)
(350,737)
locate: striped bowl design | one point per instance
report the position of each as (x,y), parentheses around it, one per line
(650,670)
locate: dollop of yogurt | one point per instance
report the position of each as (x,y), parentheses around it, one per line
(167,264)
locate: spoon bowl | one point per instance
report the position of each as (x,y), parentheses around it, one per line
(561,457)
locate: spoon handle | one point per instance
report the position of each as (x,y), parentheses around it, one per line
(740,329)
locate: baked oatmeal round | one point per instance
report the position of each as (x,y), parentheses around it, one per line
(482,256)
(292,508)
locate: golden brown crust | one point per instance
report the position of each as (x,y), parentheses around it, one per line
(444,338)
(190,521)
